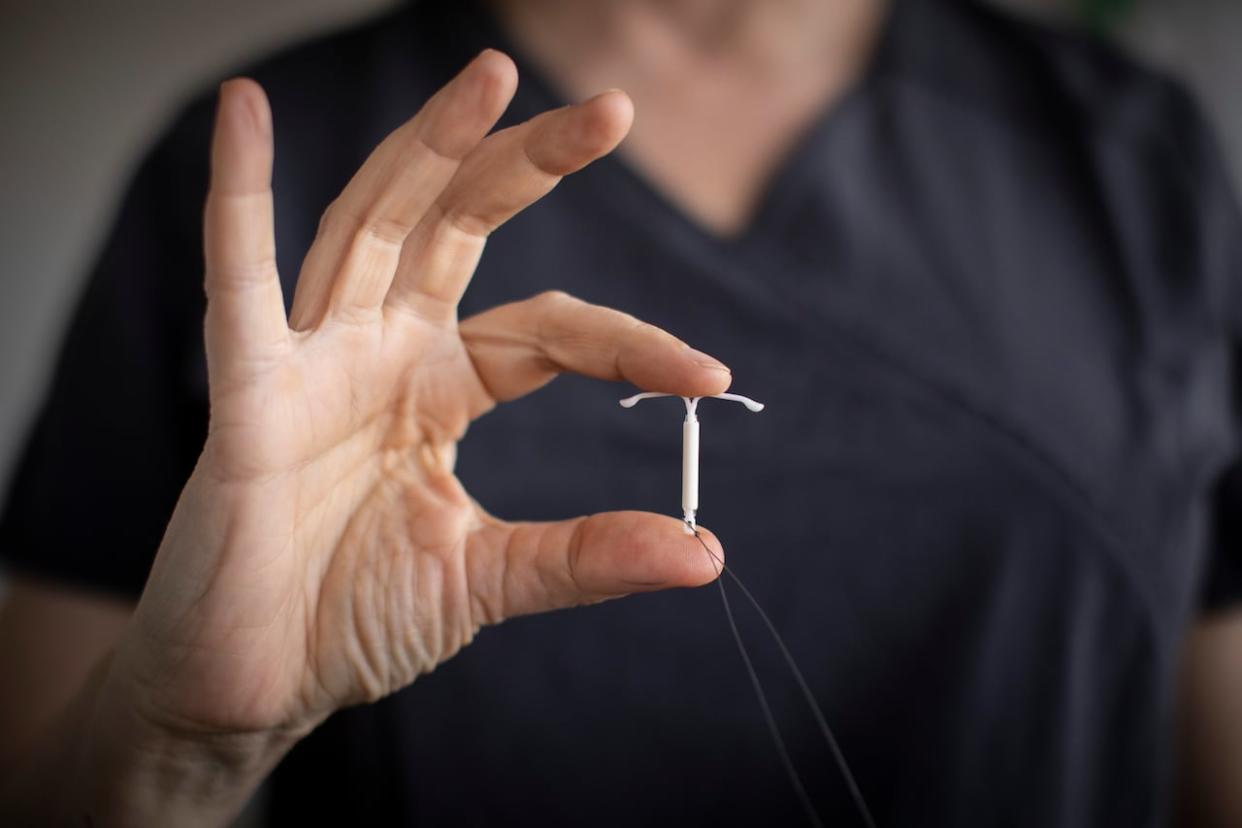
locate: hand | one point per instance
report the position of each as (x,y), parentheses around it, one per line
(323,553)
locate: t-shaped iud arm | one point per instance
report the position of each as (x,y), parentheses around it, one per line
(690,446)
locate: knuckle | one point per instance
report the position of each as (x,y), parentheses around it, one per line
(556,299)
(239,275)
(369,227)
(328,217)
(382,230)
(551,322)
(638,327)
(465,223)
(436,145)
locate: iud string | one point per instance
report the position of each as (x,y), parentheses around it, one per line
(690,505)
(824,729)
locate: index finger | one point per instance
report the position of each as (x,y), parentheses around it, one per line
(517,348)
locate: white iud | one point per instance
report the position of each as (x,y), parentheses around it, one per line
(690,447)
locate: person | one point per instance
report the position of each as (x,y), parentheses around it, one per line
(983,272)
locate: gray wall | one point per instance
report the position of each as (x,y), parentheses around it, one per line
(1200,40)
(84,83)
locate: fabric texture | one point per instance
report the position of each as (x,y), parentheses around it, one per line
(991,301)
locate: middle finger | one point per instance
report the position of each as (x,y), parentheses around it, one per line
(350,265)
(507,172)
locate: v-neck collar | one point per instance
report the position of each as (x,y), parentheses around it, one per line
(537,93)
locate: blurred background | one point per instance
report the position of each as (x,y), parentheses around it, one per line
(85,85)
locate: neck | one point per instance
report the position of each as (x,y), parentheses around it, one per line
(767,36)
(722,88)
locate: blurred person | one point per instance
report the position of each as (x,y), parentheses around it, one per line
(984,272)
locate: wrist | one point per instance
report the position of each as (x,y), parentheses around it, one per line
(136,766)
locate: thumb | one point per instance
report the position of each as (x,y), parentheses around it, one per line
(525,568)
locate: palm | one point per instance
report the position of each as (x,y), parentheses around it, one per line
(323,553)
(361,482)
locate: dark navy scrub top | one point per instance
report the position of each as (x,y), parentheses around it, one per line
(991,301)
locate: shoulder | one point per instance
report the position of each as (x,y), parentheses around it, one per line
(1070,119)
(1047,80)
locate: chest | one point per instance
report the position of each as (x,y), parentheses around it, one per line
(910,331)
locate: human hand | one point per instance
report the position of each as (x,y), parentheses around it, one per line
(323,553)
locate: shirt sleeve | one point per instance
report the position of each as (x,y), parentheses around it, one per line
(125,416)
(1219,252)
(1223,585)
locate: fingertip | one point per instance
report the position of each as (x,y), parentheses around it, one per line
(706,375)
(496,64)
(243,104)
(618,106)
(607,119)
(694,382)
(709,379)
(658,361)
(625,552)
(242,143)
(497,77)
(457,117)
(674,556)
(567,139)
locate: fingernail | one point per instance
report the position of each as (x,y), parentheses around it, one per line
(482,55)
(704,361)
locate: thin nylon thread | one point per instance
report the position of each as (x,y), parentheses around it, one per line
(821,722)
(768,716)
